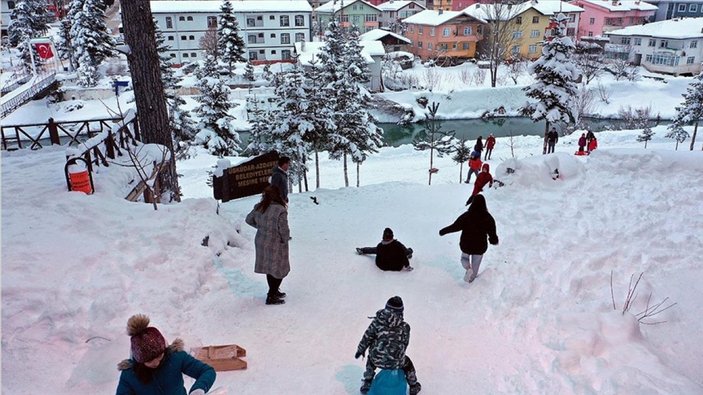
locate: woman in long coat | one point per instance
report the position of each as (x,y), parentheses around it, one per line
(476,225)
(270,218)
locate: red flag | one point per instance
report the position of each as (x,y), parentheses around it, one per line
(44,50)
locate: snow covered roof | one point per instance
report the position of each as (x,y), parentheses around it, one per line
(334,6)
(377,34)
(554,7)
(439,17)
(484,11)
(623,5)
(673,28)
(307,51)
(395,5)
(213,6)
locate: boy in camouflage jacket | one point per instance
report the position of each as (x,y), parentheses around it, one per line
(386,338)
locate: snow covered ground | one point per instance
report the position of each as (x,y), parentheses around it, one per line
(538,320)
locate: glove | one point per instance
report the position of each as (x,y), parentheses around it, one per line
(198,392)
(358,354)
(441,233)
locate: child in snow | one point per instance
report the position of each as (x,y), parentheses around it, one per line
(490,143)
(582,142)
(478,147)
(592,145)
(476,224)
(386,338)
(157,369)
(474,166)
(483,178)
(390,253)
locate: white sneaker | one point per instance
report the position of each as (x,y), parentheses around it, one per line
(469,276)
(408,268)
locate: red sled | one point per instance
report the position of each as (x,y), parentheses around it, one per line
(581,153)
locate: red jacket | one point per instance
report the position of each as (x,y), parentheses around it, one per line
(490,142)
(593,144)
(483,178)
(475,164)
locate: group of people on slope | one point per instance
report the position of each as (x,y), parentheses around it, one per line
(587,141)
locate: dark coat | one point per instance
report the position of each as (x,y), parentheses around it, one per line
(476,225)
(279,179)
(582,142)
(391,256)
(168,377)
(271,241)
(387,337)
(553,137)
(479,146)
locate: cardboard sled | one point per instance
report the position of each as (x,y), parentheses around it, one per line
(222,358)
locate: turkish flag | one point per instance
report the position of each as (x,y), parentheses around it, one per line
(44,50)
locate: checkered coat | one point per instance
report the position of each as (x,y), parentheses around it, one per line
(387,337)
(272,235)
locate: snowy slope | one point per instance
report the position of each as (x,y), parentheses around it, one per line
(539,318)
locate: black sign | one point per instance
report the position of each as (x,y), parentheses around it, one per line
(246,179)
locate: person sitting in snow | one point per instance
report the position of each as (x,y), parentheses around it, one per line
(476,224)
(483,178)
(157,369)
(592,145)
(474,165)
(390,253)
(582,143)
(387,338)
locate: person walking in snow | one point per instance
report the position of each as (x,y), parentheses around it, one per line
(270,218)
(582,143)
(155,368)
(476,225)
(474,165)
(391,254)
(552,139)
(387,338)
(478,147)
(490,143)
(279,177)
(483,178)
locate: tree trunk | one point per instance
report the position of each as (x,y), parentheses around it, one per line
(346,173)
(461,172)
(148,88)
(431,163)
(317,171)
(305,172)
(300,183)
(544,143)
(693,136)
(358,165)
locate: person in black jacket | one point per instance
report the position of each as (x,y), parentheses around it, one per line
(476,225)
(279,177)
(390,253)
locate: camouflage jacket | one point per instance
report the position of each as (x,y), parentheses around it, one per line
(387,337)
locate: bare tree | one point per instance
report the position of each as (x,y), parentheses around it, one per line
(503,32)
(603,93)
(650,309)
(433,138)
(583,103)
(208,42)
(516,68)
(589,58)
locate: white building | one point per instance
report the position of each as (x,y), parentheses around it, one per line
(269,28)
(672,47)
(6,11)
(396,10)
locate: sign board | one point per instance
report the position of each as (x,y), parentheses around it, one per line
(246,179)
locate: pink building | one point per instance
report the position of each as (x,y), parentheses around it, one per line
(459,5)
(602,16)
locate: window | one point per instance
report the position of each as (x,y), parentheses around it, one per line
(411,28)
(535,19)
(273,52)
(170,38)
(193,55)
(299,37)
(191,38)
(371,18)
(181,18)
(185,55)
(466,46)
(173,55)
(354,7)
(664,44)
(570,31)
(690,59)
(442,46)
(479,29)
(682,7)
(432,31)
(445,32)
(211,22)
(273,35)
(572,18)
(420,29)
(299,20)
(262,52)
(285,38)
(693,44)
(169,22)
(625,40)
(253,56)
(453,46)
(429,45)
(517,34)
(648,58)
(345,18)
(534,34)
(285,54)
(190,18)
(652,42)
(592,21)
(285,20)
(251,22)
(516,50)
(590,34)
(638,41)
(355,20)
(532,49)
(419,44)
(467,31)
(183,38)
(11,5)
(412,6)
(251,39)
(666,59)
(518,20)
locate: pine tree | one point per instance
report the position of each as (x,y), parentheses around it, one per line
(462,153)
(63,42)
(231,46)
(555,74)
(355,63)
(691,109)
(677,133)
(29,21)
(320,96)
(267,74)
(89,37)
(432,137)
(645,136)
(249,72)
(216,131)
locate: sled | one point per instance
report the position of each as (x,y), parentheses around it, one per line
(389,382)
(581,153)
(222,358)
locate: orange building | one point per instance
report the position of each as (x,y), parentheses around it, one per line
(444,34)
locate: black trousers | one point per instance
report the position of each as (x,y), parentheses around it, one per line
(274,284)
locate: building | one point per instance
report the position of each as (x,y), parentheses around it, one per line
(6,11)
(392,42)
(360,13)
(670,9)
(672,47)
(437,34)
(269,28)
(529,22)
(372,51)
(396,10)
(602,16)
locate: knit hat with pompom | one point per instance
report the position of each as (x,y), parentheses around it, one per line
(147,341)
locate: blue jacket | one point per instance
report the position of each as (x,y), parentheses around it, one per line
(168,379)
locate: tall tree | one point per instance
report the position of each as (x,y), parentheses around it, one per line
(29,20)
(63,42)
(691,109)
(230,44)
(320,108)
(149,91)
(500,34)
(89,37)
(433,138)
(555,77)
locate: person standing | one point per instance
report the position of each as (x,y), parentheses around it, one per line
(478,147)
(391,255)
(387,338)
(490,143)
(582,143)
(592,145)
(155,368)
(552,139)
(270,218)
(476,225)
(279,177)
(483,178)
(474,166)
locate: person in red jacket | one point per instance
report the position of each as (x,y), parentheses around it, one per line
(483,178)
(592,145)
(474,166)
(490,143)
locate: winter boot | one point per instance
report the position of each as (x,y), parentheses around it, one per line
(280,295)
(273,299)
(365,387)
(415,388)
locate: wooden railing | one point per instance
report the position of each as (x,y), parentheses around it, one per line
(18,100)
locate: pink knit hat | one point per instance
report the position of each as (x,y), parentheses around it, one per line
(147,342)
